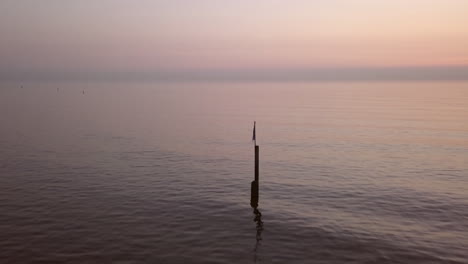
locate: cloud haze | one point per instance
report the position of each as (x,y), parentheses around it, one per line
(234,38)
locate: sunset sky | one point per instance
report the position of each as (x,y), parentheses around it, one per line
(201,35)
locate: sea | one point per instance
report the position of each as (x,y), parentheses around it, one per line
(161,172)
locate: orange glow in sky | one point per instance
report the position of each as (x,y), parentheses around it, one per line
(144,35)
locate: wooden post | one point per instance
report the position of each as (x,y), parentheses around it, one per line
(256,183)
(257,152)
(254,193)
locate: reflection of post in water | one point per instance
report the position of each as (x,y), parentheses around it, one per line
(259,227)
(258,220)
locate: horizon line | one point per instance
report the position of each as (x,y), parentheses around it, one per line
(405,73)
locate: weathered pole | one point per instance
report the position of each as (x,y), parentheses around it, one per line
(254,193)
(257,154)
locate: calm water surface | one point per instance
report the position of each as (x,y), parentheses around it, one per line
(161,172)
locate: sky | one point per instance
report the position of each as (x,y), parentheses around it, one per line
(231,36)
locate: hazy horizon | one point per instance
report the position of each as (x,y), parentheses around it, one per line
(282,75)
(260,40)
